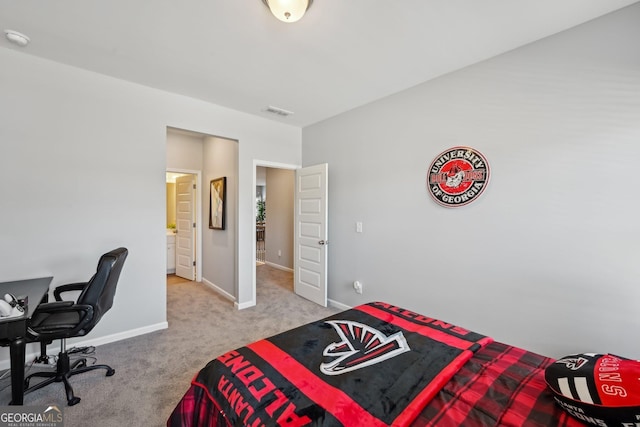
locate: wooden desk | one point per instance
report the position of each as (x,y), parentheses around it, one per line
(14,329)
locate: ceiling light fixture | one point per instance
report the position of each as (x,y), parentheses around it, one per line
(17,38)
(288,10)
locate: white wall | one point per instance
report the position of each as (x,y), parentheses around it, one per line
(82,170)
(547,257)
(184,150)
(219,246)
(261,176)
(279,207)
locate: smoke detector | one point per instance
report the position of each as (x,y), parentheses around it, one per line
(17,38)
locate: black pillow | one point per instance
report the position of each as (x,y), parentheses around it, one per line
(598,389)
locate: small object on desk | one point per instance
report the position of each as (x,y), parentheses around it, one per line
(9,307)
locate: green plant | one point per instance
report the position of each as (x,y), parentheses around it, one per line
(261,211)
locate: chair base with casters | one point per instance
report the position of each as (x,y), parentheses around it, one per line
(64,370)
(64,319)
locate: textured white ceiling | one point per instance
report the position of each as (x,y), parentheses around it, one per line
(342,54)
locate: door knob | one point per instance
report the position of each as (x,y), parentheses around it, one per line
(323,242)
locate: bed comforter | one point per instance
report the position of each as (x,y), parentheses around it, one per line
(373,365)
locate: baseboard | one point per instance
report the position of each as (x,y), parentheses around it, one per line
(279,267)
(218,289)
(80,342)
(241,306)
(227,295)
(338,305)
(117,337)
(244,305)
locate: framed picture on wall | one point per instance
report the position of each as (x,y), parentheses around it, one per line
(217,195)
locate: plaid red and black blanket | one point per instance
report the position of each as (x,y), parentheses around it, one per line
(374,365)
(500,386)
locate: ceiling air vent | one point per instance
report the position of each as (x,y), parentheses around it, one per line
(278,111)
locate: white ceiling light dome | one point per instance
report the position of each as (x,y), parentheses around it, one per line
(288,10)
(17,38)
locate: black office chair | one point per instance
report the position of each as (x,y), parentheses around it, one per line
(65,319)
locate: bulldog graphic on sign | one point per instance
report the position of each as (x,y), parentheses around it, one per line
(457,176)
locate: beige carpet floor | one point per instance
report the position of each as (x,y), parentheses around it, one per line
(154,370)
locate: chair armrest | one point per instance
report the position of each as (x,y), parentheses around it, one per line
(53,307)
(68,288)
(86,311)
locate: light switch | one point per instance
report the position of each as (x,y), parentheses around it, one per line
(358,227)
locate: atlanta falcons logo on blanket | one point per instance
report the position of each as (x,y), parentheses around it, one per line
(361,346)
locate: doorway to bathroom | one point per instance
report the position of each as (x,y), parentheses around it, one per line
(183,225)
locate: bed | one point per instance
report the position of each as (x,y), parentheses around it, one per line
(373,365)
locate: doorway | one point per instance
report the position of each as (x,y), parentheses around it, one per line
(308,212)
(274,217)
(274,226)
(184,201)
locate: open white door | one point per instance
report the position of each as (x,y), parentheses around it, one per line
(185,227)
(310,234)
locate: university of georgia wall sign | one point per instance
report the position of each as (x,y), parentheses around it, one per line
(457,176)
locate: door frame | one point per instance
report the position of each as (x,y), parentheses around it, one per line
(198,175)
(266,164)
